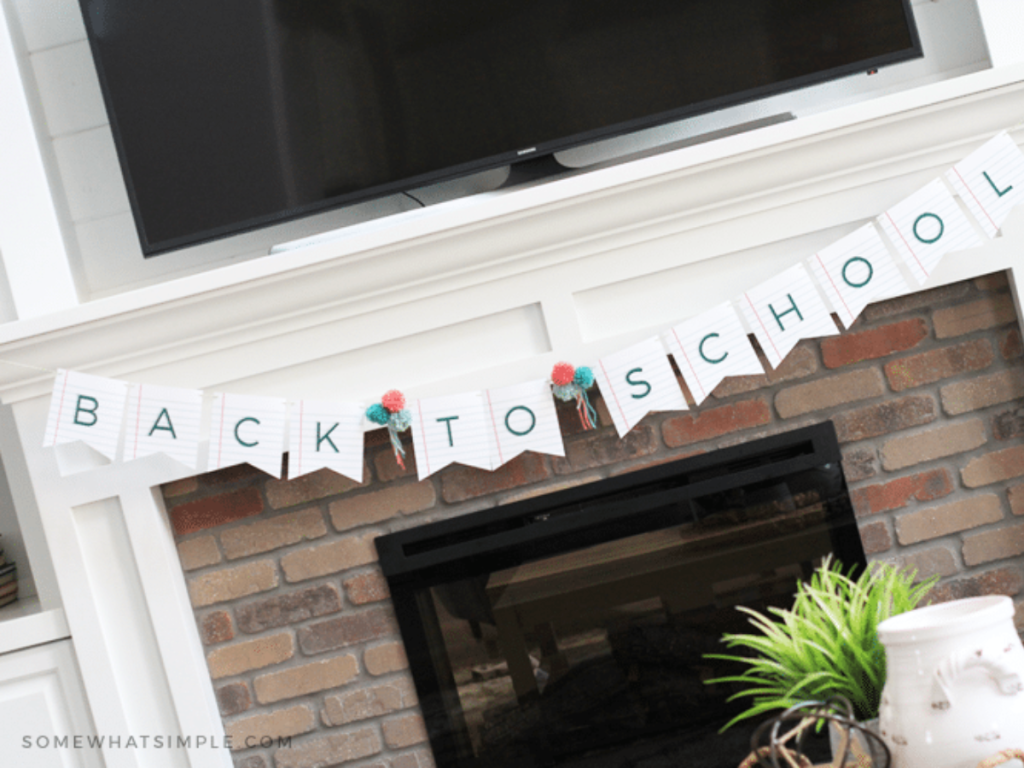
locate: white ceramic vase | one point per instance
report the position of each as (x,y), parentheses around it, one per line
(954,675)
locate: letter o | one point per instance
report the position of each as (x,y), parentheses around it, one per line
(849,282)
(942,228)
(528,430)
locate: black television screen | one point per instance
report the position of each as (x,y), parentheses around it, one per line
(233,114)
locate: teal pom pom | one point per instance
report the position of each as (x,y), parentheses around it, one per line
(378,414)
(584,377)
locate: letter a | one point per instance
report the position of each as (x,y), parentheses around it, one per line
(157,425)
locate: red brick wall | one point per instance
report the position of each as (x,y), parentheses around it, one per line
(927,395)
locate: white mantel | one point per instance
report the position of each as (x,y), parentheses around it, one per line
(561,253)
(459,296)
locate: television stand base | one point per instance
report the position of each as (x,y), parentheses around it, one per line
(602,154)
(542,168)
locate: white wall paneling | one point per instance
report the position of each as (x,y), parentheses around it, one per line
(91,174)
(35,258)
(69,89)
(49,23)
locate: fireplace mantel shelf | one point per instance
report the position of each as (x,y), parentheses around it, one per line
(547,244)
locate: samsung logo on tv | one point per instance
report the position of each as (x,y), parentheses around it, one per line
(522,152)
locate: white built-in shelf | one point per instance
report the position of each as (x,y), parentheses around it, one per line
(24,623)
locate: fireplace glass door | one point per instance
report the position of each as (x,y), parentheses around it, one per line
(574,631)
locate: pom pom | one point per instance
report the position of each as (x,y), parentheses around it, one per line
(584,377)
(400,421)
(565,392)
(393,400)
(377,413)
(562,374)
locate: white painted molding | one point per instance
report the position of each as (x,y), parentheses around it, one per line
(25,624)
(125,599)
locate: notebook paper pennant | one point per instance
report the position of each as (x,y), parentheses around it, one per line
(247,429)
(785,309)
(454,428)
(87,408)
(925,227)
(990,181)
(710,347)
(855,271)
(523,418)
(636,381)
(327,435)
(163,420)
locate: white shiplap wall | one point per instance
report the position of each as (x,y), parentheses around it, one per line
(102,246)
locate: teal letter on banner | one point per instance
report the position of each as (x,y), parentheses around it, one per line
(700,349)
(448,423)
(529,429)
(90,411)
(254,443)
(326,436)
(157,425)
(998,192)
(792,308)
(942,228)
(849,282)
(638,383)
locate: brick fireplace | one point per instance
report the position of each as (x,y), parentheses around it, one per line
(926,392)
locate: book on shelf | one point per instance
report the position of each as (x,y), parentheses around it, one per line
(8,593)
(8,573)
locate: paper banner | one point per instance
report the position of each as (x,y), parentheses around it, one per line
(326,434)
(710,347)
(855,271)
(245,428)
(163,420)
(449,429)
(990,181)
(87,408)
(523,418)
(636,381)
(926,226)
(785,309)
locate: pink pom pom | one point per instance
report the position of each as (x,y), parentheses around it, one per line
(562,374)
(393,400)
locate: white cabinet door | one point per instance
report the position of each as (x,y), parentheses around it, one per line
(43,709)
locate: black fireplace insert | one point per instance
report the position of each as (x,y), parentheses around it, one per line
(571,629)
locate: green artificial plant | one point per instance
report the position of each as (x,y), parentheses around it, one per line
(826,644)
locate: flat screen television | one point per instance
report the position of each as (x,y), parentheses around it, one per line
(229,115)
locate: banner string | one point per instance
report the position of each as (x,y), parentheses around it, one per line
(51,371)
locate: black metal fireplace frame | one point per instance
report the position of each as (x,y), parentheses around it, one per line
(606,510)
